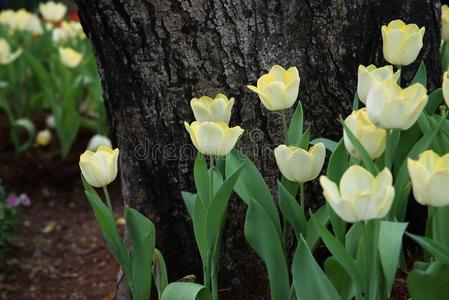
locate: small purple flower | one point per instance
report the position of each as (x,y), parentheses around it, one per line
(13,201)
(25,200)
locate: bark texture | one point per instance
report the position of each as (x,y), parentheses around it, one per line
(155,55)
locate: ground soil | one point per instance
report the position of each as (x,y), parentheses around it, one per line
(59,252)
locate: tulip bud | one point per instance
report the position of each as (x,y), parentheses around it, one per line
(98,140)
(445,23)
(372,138)
(52,11)
(299,165)
(367,76)
(446,87)
(391,107)
(207,109)
(6,56)
(99,168)
(43,137)
(70,57)
(402,42)
(213,138)
(430,178)
(361,196)
(279,88)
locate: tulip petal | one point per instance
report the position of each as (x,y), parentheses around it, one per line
(419,177)
(318,152)
(282,155)
(272,96)
(210,137)
(438,191)
(356,180)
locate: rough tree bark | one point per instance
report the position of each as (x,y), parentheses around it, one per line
(155,55)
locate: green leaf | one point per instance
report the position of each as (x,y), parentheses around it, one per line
(439,251)
(340,279)
(309,280)
(201,178)
(186,291)
(435,100)
(218,180)
(313,236)
(143,237)
(421,75)
(200,229)
(428,281)
(340,253)
(295,129)
(445,57)
(189,201)
(329,144)
(160,276)
(390,245)
(251,184)
(353,238)
(292,211)
(262,236)
(355,102)
(28,126)
(304,141)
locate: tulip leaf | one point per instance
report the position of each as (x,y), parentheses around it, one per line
(435,100)
(390,251)
(295,129)
(420,75)
(355,102)
(439,251)
(440,224)
(313,236)
(30,129)
(189,201)
(329,144)
(361,151)
(304,142)
(340,253)
(352,238)
(445,57)
(407,140)
(428,281)
(263,237)
(251,184)
(108,227)
(218,180)
(186,291)
(201,177)
(309,280)
(160,276)
(292,211)
(200,229)
(143,237)
(340,279)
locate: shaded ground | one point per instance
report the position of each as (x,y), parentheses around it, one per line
(60,253)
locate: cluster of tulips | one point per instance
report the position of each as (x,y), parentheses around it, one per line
(397,142)
(47,66)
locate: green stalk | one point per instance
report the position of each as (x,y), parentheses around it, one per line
(371,239)
(440,222)
(391,145)
(284,125)
(108,199)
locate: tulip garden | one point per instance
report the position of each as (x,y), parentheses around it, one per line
(392,156)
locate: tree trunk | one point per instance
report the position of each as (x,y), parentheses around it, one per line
(155,55)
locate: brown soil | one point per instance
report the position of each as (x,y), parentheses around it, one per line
(59,253)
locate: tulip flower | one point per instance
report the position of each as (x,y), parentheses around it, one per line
(207,109)
(402,42)
(360,196)
(446,87)
(445,23)
(391,107)
(278,89)
(299,165)
(367,76)
(43,138)
(430,178)
(70,57)
(372,138)
(99,168)
(52,11)
(6,56)
(98,140)
(213,138)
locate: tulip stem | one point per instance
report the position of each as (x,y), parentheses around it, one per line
(284,124)
(211,178)
(108,199)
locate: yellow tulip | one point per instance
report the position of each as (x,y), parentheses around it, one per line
(213,138)
(446,87)
(70,57)
(43,137)
(279,88)
(67,30)
(402,42)
(26,21)
(98,140)
(6,56)
(389,106)
(445,23)
(360,196)
(430,178)
(99,168)
(299,165)
(52,11)
(367,76)
(372,138)
(207,109)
